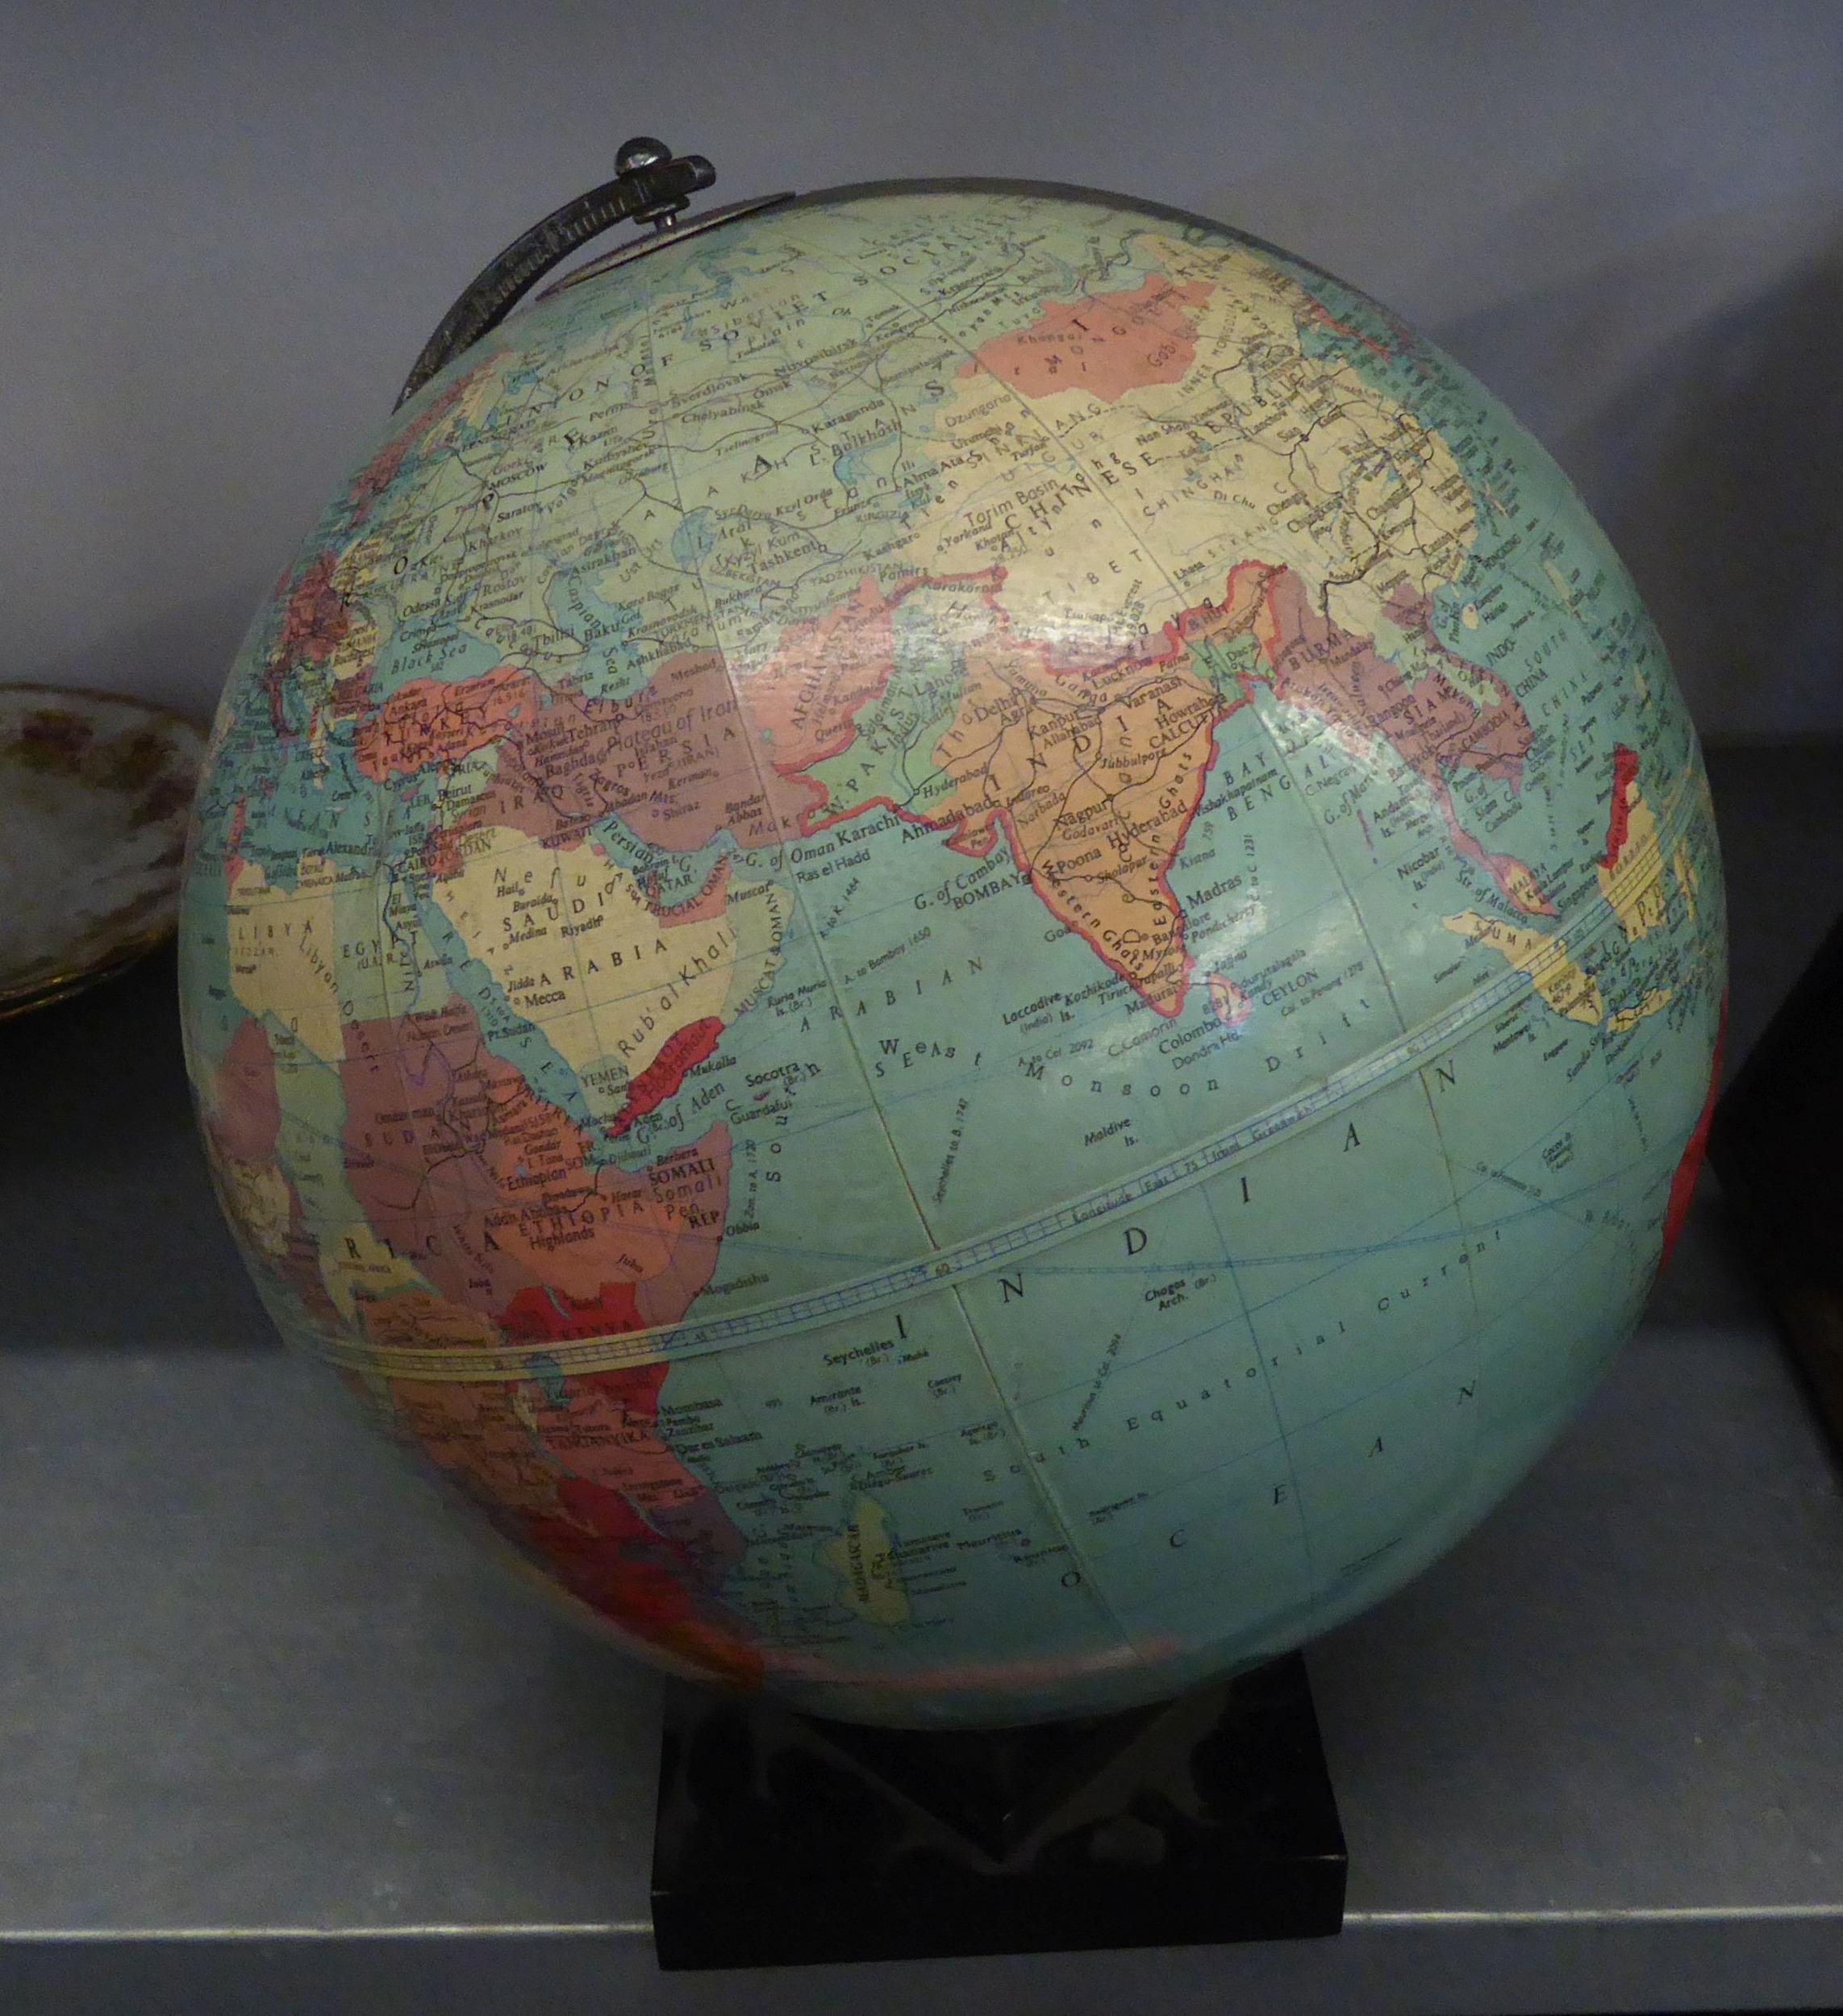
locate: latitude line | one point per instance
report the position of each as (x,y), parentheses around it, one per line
(874,1291)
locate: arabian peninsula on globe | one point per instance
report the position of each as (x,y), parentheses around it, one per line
(968,938)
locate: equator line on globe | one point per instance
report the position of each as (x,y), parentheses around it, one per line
(985,1254)
(965,935)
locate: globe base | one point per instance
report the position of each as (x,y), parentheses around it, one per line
(785,1840)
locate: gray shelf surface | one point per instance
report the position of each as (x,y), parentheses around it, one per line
(274,1737)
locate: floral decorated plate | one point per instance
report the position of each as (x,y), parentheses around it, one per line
(94,791)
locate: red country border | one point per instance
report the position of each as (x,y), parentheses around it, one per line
(1619,819)
(1320,313)
(682,1049)
(1683,1182)
(540,1315)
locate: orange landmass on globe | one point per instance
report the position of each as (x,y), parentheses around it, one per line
(441,721)
(1104,344)
(416,1320)
(1095,772)
(1094,775)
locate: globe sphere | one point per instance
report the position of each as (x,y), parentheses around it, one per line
(968,938)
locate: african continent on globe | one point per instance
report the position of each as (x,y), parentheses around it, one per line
(968,938)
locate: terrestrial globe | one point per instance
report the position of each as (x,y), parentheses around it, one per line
(968,938)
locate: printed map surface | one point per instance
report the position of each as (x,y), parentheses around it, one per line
(970,938)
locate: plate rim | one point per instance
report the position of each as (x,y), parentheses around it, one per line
(46,989)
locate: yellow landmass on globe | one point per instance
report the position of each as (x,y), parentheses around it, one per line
(317,955)
(862,1559)
(1261,450)
(1554,976)
(419,1321)
(360,567)
(580,953)
(283,949)
(1520,885)
(1634,884)
(1688,879)
(1623,1018)
(356,1265)
(256,1195)
(1094,776)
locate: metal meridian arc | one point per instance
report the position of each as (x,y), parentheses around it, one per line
(651,185)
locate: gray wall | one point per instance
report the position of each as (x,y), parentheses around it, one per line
(226,230)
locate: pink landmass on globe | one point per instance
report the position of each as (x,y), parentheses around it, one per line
(246,1110)
(442,721)
(1227,1003)
(1432,723)
(673,761)
(1104,344)
(486,1186)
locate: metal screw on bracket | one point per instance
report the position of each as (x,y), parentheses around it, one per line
(641,153)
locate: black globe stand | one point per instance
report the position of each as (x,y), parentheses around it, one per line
(782,1840)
